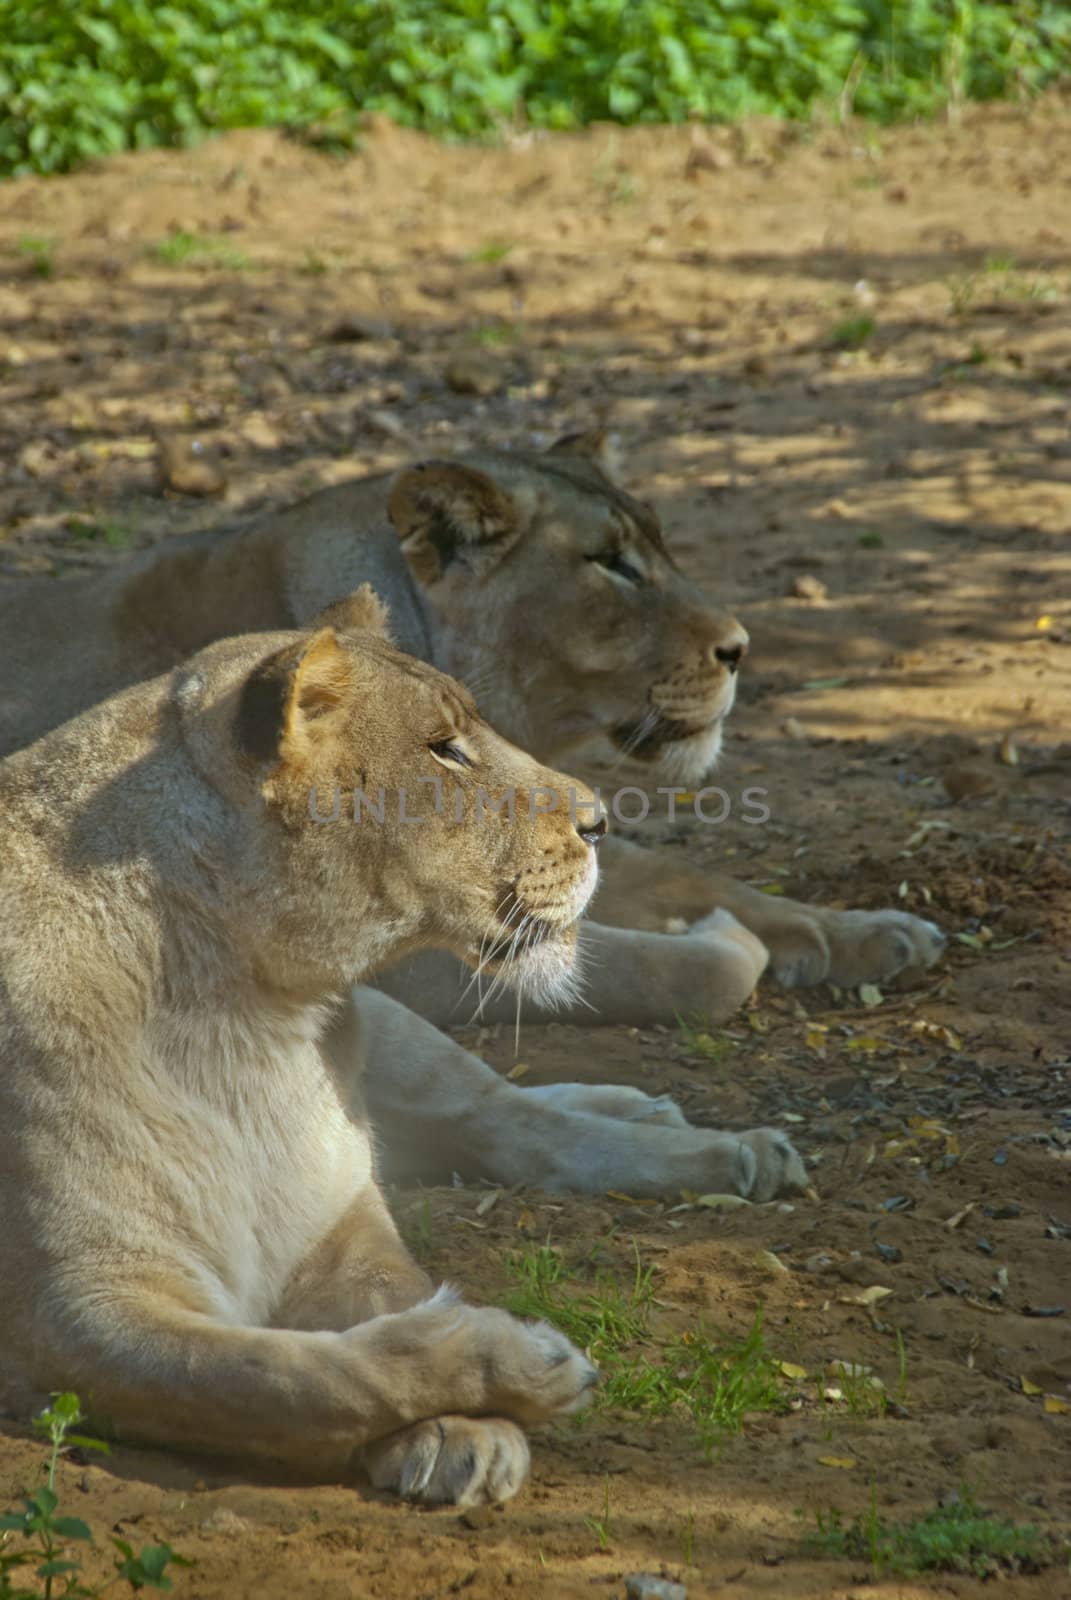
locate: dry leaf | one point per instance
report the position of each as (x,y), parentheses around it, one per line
(960,1216)
(937,1030)
(488,1201)
(721,1202)
(526,1221)
(789,1369)
(865,1297)
(1055,1406)
(870,994)
(630,1199)
(518,1071)
(847,1462)
(1043,624)
(1028,1387)
(768,1261)
(1008,751)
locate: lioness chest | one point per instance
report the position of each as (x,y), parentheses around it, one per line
(221,1171)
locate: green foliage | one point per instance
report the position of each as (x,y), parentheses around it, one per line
(852,334)
(82,78)
(39,253)
(45,1536)
(195,249)
(713,1380)
(957,1537)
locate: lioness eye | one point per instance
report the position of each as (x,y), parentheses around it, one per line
(613,561)
(447,750)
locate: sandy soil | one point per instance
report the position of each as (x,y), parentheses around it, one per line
(891,522)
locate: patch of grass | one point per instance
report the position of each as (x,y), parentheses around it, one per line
(45,1537)
(853,333)
(493,335)
(40,252)
(958,1537)
(870,540)
(962,288)
(91,529)
(489,254)
(999,265)
(417,1231)
(602,1526)
(697,1039)
(714,1380)
(182,248)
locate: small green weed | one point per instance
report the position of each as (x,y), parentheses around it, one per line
(39,252)
(489,254)
(698,1040)
(853,333)
(492,335)
(714,1380)
(957,1537)
(91,529)
(181,249)
(687,1539)
(870,541)
(602,1526)
(999,265)
(46,1536)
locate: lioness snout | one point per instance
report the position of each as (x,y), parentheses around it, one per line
(731,648)
(592,832)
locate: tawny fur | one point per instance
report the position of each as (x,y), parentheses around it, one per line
(550,591)
(193,1236)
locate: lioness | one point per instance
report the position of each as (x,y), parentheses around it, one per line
(193,1235)
(550,591)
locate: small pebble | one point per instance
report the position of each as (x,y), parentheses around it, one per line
(645,1586)
(805,586)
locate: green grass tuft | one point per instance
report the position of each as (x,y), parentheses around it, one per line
(852,334)
(181,249)
(713,1380)
(958,1537)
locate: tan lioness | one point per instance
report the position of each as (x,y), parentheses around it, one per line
(193,1236)
(550,591)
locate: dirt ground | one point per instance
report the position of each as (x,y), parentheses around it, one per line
(840,364)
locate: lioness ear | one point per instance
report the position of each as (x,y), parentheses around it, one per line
(442,510)
(294,697)
(590,443)
(362,611)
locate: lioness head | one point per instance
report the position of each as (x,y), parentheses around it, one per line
(380,813)
(561,605)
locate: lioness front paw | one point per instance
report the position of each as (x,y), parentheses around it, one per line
(777,1165)
(453,1461)
(873,946)
(537,1373)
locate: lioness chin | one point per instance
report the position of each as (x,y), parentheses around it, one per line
(193,1236)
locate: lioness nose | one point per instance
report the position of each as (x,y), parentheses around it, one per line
(731,649)
(592,832)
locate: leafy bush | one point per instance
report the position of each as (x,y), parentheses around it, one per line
(80,78)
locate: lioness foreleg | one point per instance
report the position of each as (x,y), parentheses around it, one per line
(440,1109)
(640,888)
